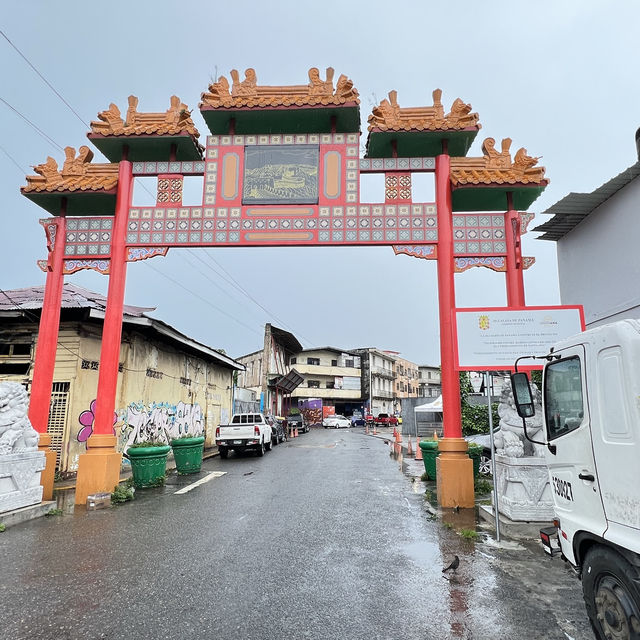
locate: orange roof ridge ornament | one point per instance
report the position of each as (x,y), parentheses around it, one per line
(497,167)
(248,93)
(77,174)
(176,119)
(389,116)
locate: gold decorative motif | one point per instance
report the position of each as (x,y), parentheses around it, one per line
(77,174)
(389,116)
(496,167)
(176,119)
(247,92)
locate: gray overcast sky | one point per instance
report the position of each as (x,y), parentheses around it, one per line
(558,77)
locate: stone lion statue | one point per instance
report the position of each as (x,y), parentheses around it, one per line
(510,440)
(16,433)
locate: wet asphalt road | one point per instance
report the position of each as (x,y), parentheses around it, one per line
(322,538)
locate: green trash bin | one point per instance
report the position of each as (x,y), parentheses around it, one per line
(148,465)
(475,452)
(430,452)
(187,452)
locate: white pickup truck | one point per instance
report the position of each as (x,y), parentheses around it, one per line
(246,431)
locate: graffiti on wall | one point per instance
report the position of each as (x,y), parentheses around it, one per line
(159,421)
(86,419)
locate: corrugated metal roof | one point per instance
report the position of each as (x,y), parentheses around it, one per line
(73,297)
(575,207)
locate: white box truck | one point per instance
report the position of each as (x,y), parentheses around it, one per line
(591,405)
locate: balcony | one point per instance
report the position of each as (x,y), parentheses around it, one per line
(382,373)
(387,395)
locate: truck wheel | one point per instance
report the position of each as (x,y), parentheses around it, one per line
(611,594)
(260,449)
(224,453)
(270,444)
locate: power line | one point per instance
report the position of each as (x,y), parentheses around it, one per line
(40,131)
(204,275)
(4,35)
(6,153)
(232,280)
(193,293)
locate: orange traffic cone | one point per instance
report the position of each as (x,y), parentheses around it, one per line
(409,447)
(418,449)
(366,429)
(399,436)
(395,434)
(296,432)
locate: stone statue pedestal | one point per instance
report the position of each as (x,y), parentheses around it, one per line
(20,479)
(524,492)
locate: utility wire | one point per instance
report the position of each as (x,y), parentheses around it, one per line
(6,153)
(232,280)
(208,278)
(40,131)
(220,277)
(4,35)
(193,293)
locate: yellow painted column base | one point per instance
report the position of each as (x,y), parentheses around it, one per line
(454,474)
(48,473)
(99,468)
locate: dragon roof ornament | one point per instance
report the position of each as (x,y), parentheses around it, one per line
(248,93)
(78,174)
(176,119)
(497,167)
(389,116)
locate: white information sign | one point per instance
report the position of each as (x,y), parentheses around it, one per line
(492,339)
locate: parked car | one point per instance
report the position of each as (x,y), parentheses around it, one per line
(385,420)
(245,432)
(298,421)
(483,440)
(357,420)
(369,419)
(278,430)
(336,421)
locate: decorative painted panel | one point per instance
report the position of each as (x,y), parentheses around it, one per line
(88,236)
(478,234)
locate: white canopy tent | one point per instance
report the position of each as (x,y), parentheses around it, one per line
(430,407)
(428,412)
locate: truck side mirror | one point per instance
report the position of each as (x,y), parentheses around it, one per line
(522,395)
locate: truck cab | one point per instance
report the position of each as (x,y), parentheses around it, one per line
(591,405)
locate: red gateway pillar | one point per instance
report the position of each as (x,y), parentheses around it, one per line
(99,468)
(515,280)
(45,360)
(454,468)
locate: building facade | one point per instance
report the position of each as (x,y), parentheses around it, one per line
(429,384)
(331,375)
(597,247)
(377,380)
(406,382)
(168,383)
(268,372)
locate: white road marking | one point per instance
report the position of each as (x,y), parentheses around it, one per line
(211,476)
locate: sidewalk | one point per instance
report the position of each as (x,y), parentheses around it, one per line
(125,474)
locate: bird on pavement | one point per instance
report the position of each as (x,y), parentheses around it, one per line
(455,563)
